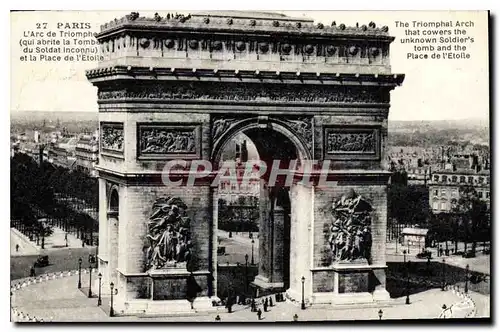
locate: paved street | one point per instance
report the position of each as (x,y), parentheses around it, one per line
(237,247)
(60,259)
(53,242)
(47,301)
(480,263)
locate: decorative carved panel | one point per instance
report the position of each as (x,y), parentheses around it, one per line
(168,141)
(302,127)
(251,92)
(220,125)
(112,139)
(351,143)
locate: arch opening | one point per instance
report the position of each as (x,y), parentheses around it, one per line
(253,218)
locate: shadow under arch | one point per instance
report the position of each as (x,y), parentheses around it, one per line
(114,199)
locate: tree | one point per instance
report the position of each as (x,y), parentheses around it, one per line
(471,213)
(408,204)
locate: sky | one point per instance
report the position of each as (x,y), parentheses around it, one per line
(432,90)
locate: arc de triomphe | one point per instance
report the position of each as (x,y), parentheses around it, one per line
(181,87)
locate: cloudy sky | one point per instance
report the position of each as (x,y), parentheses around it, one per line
(433,89)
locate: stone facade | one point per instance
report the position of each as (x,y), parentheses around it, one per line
(181,87)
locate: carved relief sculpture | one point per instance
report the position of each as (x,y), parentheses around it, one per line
(360,142)
(168,234)
(350,238)
(303,128)
(220,126)
(158,140)
(251,92)
(112,137)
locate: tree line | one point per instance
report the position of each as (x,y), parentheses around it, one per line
(47,195)
(468,220)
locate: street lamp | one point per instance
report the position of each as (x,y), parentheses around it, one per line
(252,252)
(246,273)
(380,313)
(79,273)
(467,278)
(444,276)
(90,276)
(111,311)
(404,256)
(303,305)
(408,283)
(99,300)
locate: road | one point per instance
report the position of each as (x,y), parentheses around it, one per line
(237,247)
(47,301)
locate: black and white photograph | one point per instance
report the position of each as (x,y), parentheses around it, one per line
(250,166)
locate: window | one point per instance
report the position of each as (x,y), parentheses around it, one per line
(487,194)
(481,179)
(436,192)
(443,205)
(454,178)
(462,179)
(443,192)
(435,205)
(436,178)
(445,178)
(454,193)
(480,194)
(470,179)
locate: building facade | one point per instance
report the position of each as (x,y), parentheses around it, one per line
(445,187)
(87,154)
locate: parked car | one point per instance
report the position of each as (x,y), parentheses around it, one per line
(469,254)
(424,254)
(42,261)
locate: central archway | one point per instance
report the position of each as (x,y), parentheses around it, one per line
(278,265)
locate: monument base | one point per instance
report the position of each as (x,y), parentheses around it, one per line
(169,284)
(166,308)
(168,296)
(354,283)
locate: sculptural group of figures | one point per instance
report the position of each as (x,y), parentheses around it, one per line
(363,142)
(350,237)
(168,234)
(164,141)
(112,138)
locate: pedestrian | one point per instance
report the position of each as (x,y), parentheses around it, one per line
(17,247)
(254,308)
(259,314)
(440,251)
(229,304)
(217,318)
(32,271)
(83,244)
(265,305)
(270,301)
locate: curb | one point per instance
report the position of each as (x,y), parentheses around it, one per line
(18,316)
